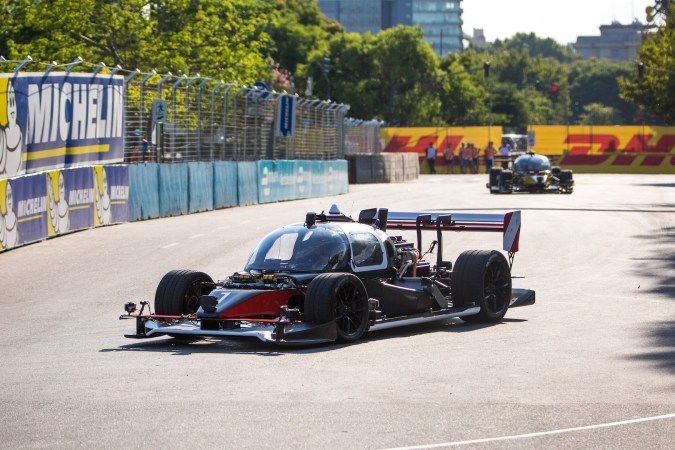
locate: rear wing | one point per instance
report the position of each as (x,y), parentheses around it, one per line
(508,224)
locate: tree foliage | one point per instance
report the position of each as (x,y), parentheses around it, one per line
(654,93)
(392,76)
(226,38)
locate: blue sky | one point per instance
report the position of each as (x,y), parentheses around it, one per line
(562,20)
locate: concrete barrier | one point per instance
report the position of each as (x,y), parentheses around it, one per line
(200,187)
(58,202)
(384,168)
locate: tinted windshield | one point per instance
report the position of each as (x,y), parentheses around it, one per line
(298,249)
(526,163)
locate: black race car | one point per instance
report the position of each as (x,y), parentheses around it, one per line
(530,173)
(332,278)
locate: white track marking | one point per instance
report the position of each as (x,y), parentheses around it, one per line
(542,433)
(196,236)
(170,245)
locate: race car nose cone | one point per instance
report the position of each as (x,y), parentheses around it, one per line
(208,303)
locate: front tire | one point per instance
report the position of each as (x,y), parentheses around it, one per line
(482,277)
(340,297)
(179,290)
(506,182)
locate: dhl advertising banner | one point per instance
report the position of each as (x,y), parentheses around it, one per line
(35,207)
(608,149)
(416,140)
(59,120)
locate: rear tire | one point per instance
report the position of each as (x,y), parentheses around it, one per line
(340,297)
(482,277)
(495,175)
(566,181)
(178,292)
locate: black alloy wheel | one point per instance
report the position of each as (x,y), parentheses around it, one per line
(482,277)
(340,297)
(179,291)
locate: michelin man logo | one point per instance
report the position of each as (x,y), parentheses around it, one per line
(58,206)
(11,136)
(102,198)
(9,233)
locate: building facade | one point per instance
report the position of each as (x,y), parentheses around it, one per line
(616,42)
(441,20)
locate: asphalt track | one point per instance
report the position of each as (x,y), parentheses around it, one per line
(590,365)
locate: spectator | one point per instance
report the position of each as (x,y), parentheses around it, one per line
(475,155)
(462,158)
(145,150)
(490,153)
(505,153)
(431,158)
(449,155)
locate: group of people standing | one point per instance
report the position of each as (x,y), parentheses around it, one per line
(468,155)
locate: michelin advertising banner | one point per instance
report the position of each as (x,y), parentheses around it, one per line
(59,120)
(35,207)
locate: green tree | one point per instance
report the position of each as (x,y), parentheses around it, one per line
(654,93)
(596,82)
(599,114)
(464,95)
(226,38)
(536,46)
(389,75)
(406,66)
(297,29)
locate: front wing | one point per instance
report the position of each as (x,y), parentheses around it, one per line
(284,331)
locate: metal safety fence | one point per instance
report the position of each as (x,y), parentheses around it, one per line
(184,118)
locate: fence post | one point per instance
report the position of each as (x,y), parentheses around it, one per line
(188,128)
(158,133)
(98,68)
(213,114)
(199,115)
(145,79)
(225,95)
(235,153)
(72,65)
(27,60)
(50,67)
(173,113)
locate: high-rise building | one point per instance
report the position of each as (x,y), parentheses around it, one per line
(441,20)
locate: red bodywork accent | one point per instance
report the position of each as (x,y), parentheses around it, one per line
(267,303)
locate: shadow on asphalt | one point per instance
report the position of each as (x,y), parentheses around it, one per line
(252,346)
(662,335)
(660,270)
(656,184)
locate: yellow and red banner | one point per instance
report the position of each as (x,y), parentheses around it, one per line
(592,149)
(416,140)
(608,149)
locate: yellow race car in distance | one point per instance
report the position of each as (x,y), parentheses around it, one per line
(530,173)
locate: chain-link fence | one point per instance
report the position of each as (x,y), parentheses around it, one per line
(171,118)
(362,137)
(217,121)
